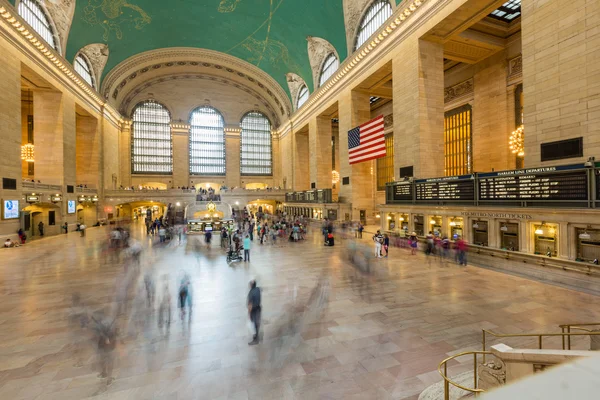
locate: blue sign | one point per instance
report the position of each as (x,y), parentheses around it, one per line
(10,209)
(71,207)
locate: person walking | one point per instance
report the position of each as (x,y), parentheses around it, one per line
(254,310)
(360,230)
(414,243)
(247,247)
(386,244)
(162,234)
(66,228)
(378,239)
(461,249)
(41,228)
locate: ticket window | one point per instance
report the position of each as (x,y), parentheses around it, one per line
(418,221)
(509,236)
(480,233)
(456,227)
(435,225)
(588,244)
(391,222)
(545,239)
(402,223)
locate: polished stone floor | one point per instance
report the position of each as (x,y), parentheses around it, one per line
(330,331)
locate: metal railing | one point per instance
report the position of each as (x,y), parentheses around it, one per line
(566,345)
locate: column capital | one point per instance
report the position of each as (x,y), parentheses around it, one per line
(179,128)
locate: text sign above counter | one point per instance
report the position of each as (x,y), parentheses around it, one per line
(568,182)
(457,188)
(402,191)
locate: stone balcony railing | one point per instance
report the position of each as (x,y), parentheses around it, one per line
(40,186)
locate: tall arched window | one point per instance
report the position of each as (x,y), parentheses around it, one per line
(375,16)
(256,148)
(151,144)
(302,96)
(83,68)
(330,65)
(207,142)
(36,17)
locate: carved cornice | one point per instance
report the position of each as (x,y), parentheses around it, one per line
(97,54)
(134,67)
(126,103)
(61,13)
(461,90)
(318,50)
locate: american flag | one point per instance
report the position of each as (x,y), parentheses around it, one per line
(366,142)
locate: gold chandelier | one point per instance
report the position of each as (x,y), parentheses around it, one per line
(27,152)
(335,177)
(516,142)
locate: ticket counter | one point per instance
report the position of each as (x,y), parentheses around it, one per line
(588,244)
(456,225)
(480,233)
(418,223)
(545,239)
(509,236)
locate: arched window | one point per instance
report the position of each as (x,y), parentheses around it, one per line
(256,149)
(302,97)
(151,144)
(330,65)
(375,16)
(33,13)
(82,67)
(207,142)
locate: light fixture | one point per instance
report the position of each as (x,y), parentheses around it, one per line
(516,141)
(432,222)
(475,225)
(206,215)
(540,229)
(401,219)
(27,152)
(378,216)
(389,218)
(452,223)
(504,228)
(178,204)
(335,177)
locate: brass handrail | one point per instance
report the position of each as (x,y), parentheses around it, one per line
(540,337)
(448,381)
(577,327)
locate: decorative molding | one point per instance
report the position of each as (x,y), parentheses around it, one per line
(461,90)
(61,12)
(515,69)
(126,103)
(97,54)
(388,121)
(353,12)
(491,374)
(295,83)
(318,50)
(137,65)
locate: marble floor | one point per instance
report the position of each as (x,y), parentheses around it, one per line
(330,331)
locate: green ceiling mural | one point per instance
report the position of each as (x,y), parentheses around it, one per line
(270,34)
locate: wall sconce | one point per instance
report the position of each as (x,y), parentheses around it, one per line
(432,222)
(540,229)
(27,152)
(335,177)
(401,219)
(378,216)
(389,218)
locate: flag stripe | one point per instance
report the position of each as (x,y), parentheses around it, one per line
(367,141)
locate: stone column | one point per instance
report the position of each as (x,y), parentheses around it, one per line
(566,245)
(276,166)
(319,143)
(490,116)
(125,154)
(355,109)
(418,89)
(301,161)
(232,156)
(181,154)
(88,151)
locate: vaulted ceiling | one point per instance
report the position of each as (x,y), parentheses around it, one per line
(270,34)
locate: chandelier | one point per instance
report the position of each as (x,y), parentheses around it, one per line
(335,177)
(516,142)
(27,152)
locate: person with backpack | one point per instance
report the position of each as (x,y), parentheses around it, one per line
(378,239)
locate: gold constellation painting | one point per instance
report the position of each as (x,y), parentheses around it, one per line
(227,6)
(112,14)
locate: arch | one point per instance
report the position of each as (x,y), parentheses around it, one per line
(318,50)
(37,16)
(372,19)
(151,139)
(207,141)
(83,67)
(302,96)
(256,147)
(330,64)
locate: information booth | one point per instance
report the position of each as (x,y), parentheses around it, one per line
(207,225)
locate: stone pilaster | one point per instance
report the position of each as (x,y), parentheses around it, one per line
(88,151)
(125,154)
(418,89)
(232,154)
(319,141)
(181,154)
(301,161)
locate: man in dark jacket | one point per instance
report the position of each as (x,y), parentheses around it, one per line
(254,310)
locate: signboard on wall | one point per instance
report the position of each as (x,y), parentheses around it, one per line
(461,188)
(10,209)
(71,207)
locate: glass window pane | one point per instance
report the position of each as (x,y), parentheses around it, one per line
(458,143)
(373,19)
(330,65)
(83,69)
(302,96)
(35,16)
(256,149)
(151,144)
(207,142)
(385,165)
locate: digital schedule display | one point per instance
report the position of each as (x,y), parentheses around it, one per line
(566,183)
(457,188)
(402,191)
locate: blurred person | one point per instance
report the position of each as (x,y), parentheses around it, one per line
(150,289)
(247,247)
(66,227)
(378,239)
(22,236)
(429,248)
(386,244)
(9,243)
(208,238)
(82,229)
(184,296)
(254,310)
(106,332)
(414,243)
(162,234)
(41,228)
(461,250)
(360,230)
(115,238)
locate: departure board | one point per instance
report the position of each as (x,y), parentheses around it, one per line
(564,183)
(402,191)
(451,188)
